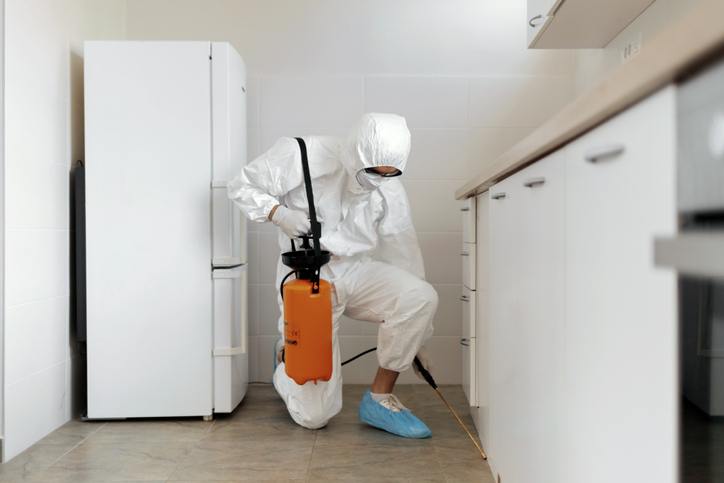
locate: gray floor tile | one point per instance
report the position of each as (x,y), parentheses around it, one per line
(151,431)
(72,432)
(116,462)
(374,461)
(246,460)
(31,461)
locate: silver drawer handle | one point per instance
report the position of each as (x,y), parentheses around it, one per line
(465,208)
(497,196)
(464,254)
(465,298)
(534,18)
(464,342)
(530,182)
(596,154)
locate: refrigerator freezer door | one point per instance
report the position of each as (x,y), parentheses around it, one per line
(148,157)
(231,355)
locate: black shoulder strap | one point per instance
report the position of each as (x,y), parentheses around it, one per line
(316,228)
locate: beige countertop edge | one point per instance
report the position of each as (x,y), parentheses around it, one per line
(695,40)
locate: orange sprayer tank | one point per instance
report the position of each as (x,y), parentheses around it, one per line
(307,331)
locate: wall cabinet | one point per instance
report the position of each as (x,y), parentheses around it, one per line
(579,24)
(582,348)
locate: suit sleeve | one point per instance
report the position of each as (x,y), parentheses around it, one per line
(257,188)
(396,235)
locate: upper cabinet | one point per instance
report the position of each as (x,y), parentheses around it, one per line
(579,24)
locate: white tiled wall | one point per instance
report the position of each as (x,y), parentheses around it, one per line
(43,371)
(457,70)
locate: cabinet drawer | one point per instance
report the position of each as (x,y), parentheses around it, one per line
(468,210)
(468,255)
(468,301)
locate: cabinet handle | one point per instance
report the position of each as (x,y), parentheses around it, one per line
(465,298)
(464,342)
(530,182)
(464,254)
(465,208)
(497,196)
(534,18)
(596,154)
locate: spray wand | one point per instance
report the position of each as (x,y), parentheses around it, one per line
(426,375)
(431,382)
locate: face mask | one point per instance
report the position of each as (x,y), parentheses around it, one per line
(370,182)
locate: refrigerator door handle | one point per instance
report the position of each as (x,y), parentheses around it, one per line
(243,320)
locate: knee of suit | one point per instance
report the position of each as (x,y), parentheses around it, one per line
(423,293)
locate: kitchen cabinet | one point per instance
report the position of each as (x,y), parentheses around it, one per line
(527,320)
(621,376)
(579,24)
(582,382)
(469,302)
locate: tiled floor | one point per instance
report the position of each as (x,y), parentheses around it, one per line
(260,442)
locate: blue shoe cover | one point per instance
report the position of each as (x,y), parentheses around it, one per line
(401,423)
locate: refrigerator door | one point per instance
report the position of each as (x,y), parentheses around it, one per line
(148,153)
(231,355)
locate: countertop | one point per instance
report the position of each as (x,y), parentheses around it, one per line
(694,41)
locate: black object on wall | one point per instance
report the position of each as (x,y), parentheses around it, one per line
(81,309)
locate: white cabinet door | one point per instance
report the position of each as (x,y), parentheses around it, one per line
(469,346)
(540,336)
(502,330)
(621,377)
(482,295)
(540,14)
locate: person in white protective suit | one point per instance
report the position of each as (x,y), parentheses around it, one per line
(362,204)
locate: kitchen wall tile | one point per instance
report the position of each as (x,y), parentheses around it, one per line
(254,359)
(269,135)
(252,101)
(433,205)
(310,101)
(349,326)
(424,101)
(40,399)
(36,265)
(269,255)
(252,240)
(449,315)
(35,50)
(266,357)
(446,354)
(517,101)
(37,191)
(253,308)
(41,325)
(269,312)
(36,121)
(441,254)
(437,154)
(252,144)
(487,145)
(362,370)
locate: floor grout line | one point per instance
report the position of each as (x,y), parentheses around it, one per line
(192,448)
(74,447)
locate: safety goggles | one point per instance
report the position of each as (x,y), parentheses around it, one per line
(374,171)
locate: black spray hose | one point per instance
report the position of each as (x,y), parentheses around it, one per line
(281,286)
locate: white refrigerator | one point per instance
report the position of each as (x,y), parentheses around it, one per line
(165,129)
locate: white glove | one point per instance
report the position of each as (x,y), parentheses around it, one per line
(293,223)
(425,360)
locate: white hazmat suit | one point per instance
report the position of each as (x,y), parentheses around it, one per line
(357,219)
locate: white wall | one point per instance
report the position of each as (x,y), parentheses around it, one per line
(592,66)
(459,71)
(43,371)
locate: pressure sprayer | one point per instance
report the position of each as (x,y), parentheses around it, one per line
(307,302)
